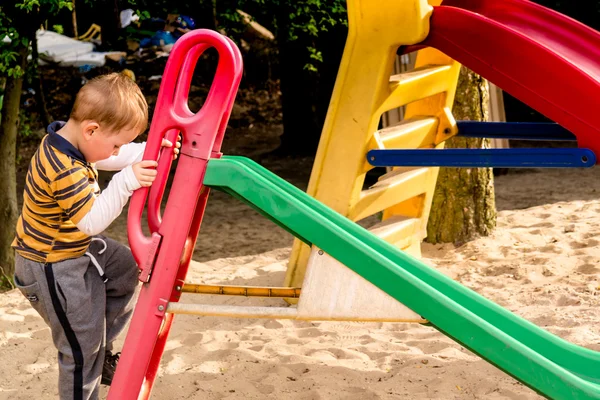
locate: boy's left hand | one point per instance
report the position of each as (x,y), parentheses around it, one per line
(167,143)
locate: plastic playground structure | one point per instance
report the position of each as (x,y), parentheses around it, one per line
(545,59)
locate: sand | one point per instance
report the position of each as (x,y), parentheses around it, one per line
(542,262)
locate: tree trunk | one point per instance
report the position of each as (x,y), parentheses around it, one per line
(213,12)
(305,95)
(464,204)
(74,20)
(110,23)
(8,184)
(300,126)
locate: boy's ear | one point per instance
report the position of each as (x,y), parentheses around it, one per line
(90,129)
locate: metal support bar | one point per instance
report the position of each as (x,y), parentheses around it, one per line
(474,158)
(248,291)
(514,130)
(213,310)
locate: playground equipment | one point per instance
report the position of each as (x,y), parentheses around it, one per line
(372,268)
(351,126)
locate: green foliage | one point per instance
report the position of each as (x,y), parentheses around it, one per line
(49,6)
(9,43)
(315,55)
(144,15)
(302,20)
(26,124)
(310,18)
(58,29)
(18,22)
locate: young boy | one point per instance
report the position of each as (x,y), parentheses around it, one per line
(83,284)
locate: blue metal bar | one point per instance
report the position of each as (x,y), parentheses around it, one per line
(514,130)
(474,158)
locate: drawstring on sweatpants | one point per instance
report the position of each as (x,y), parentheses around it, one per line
(95,262)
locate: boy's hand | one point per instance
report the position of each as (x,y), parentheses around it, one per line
(167,143)
(145,172)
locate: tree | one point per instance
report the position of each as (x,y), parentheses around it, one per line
(463,203)
(18,23)
(110,23)
(310,37)
(307,83)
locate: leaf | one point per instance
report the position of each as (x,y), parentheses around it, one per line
(310,67)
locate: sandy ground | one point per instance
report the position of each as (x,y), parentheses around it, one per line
(542,263)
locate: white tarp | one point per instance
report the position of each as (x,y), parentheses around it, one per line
(65,51)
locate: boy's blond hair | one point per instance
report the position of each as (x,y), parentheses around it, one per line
(114,101)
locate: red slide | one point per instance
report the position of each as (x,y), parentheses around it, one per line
(545,59)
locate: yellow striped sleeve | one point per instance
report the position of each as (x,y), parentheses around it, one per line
(72,191)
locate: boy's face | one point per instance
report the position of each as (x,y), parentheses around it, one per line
(99,144)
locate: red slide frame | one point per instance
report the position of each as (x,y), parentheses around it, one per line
(545,59)
(173,239)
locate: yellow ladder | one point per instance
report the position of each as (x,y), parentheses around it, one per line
(363,91)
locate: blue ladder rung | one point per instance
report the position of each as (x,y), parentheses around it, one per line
(474,158)
(514,130)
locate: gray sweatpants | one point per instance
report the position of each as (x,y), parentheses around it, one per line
(85,314)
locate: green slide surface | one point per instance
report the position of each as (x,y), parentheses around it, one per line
(548,364)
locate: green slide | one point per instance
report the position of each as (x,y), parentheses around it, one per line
(548,364)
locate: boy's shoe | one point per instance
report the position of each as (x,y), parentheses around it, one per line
(109,367)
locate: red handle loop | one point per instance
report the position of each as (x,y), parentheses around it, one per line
(157,191)
(182,91)
(172,115)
